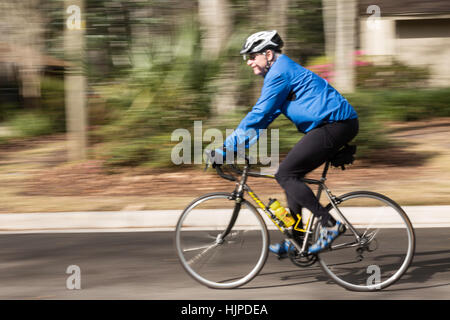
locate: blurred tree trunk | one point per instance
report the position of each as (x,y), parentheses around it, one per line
(215,18)
(141,37)
(269,15)
(278,17)
(75,80)
(23,35)
(329,26)
(345,45)
(31,54)
(258,13)
(30,78)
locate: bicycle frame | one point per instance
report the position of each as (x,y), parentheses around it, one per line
(241,187)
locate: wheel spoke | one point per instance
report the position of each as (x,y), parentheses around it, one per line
(198,256)
(199,248)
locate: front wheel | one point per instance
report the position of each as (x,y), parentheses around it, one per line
(216,258)
(377,246)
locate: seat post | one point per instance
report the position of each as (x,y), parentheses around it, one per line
(325,171)
(324,177)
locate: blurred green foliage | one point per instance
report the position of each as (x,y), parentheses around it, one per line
(377,107)
(305,34)
(47,119)
(393,75)
(170,92)
(373,134)
(7,109)
(52,102)
(30,124)
(407,104)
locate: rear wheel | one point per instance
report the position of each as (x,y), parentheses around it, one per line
(384,249)
(211,259)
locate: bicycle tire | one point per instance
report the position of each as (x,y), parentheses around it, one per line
(196,241)
(392,242)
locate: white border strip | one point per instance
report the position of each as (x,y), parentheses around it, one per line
(165,220)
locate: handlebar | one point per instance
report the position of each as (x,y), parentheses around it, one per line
(222,174)
(235,169)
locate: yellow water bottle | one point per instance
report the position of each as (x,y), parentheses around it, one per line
(281,213)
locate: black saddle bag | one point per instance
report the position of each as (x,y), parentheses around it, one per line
(344,156)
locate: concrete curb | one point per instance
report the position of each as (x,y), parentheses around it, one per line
(165,220)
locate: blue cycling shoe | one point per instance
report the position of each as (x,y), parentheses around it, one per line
(326,237)
(281,249)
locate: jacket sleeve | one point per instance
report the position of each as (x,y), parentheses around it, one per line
(273,94)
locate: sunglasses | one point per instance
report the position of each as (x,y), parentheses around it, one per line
(252,56)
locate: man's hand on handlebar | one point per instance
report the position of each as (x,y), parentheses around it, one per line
(215,157)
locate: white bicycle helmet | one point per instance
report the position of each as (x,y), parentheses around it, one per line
(260,41)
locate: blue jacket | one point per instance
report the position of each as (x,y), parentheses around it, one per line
(302,96)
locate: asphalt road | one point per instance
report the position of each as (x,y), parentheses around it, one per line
(143,265)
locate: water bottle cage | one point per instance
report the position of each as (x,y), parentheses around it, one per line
(279,222)
(275,219)
(299,218)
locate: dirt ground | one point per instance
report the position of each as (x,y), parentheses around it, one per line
(36,177)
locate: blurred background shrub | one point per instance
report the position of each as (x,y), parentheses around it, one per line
(393,75)
(171,93)
(48,118)
(30,124)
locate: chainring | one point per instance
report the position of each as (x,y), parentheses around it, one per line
(304,260)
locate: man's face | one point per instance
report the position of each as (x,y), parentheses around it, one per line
(259,61)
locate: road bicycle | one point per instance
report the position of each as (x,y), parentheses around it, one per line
(222,239)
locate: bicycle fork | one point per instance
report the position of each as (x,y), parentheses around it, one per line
(233,219)
(238,196)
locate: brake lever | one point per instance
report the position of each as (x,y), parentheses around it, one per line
(207,164)
(208,159)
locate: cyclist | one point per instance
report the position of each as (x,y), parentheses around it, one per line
(315,107)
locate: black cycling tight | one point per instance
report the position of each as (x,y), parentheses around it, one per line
(308,154)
